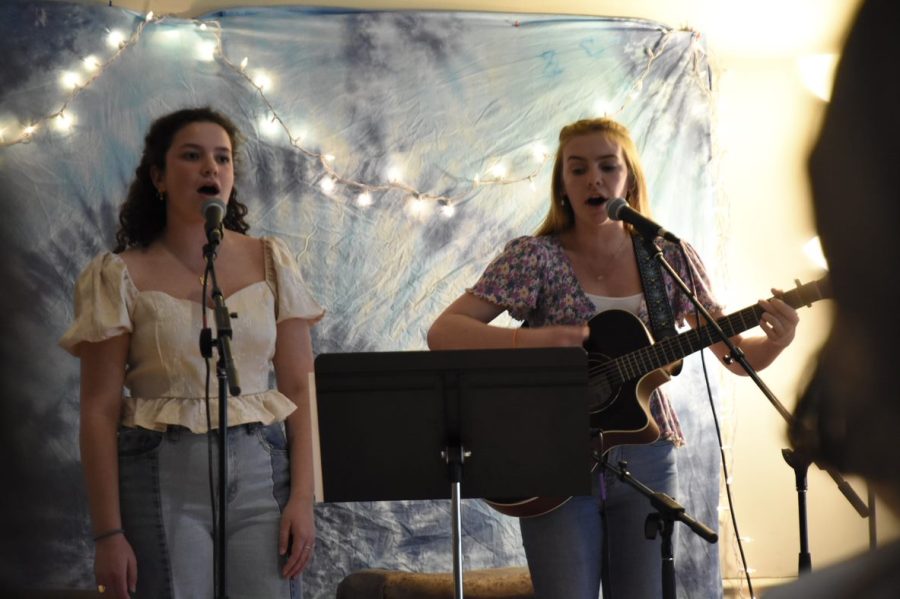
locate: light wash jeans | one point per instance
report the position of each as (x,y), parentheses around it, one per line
(164,497)
(565,547)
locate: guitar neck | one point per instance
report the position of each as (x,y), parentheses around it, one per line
(671,349)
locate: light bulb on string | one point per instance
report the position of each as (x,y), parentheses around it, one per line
(115,38)
(206,51)
(327,185)
(394,174)
(364,199)
(63,122)
(447,210)
(70,80)
(262,80)
(91,63)
(268,126)
(539,151)
(417,208)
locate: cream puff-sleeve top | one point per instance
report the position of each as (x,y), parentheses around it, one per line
(165,373)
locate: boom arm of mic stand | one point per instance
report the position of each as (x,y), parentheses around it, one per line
(737,355)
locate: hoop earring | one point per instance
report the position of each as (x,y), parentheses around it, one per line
(161,195)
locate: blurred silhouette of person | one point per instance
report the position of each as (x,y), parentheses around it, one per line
(849,414)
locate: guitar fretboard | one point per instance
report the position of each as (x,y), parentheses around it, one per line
(671,349)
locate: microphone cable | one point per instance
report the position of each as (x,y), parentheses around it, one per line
(715,418)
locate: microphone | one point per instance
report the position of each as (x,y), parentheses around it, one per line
(618,209)
(213,211)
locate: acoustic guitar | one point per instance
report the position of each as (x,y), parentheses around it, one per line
(625,366)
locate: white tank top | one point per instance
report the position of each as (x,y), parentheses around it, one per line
(629,303)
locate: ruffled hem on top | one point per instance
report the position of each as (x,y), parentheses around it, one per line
(158,413)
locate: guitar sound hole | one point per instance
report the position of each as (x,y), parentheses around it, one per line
(601,395)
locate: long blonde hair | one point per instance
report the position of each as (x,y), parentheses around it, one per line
(560,217)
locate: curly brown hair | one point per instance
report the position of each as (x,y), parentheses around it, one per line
(142,217)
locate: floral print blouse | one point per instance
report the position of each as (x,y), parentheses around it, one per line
(533,279)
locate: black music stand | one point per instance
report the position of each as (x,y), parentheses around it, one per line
(452,424)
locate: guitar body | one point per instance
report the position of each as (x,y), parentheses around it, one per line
(620,413)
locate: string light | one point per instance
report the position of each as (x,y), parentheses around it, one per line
(206,51)
(63,122)
(418,204)
(327,184)
(115,38)
(394,174)
(446,209)
(269,126)
(91,63)
(261,80)
(498,171)
(70,80)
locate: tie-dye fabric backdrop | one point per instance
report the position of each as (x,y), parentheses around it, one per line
(443,118)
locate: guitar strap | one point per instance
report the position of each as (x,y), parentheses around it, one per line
(662,321)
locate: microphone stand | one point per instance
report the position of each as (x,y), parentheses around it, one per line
(227,375)
(798,462)
(663,521)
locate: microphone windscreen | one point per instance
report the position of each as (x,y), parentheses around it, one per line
(213,210)
(614,208)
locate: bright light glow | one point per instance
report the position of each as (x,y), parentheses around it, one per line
(91,63)
(813,251)
(29,129)
(539,151)
(418,208)
(168,36)
(498,170)
(268,126)
(327,184)
(262,80)
(602,108)
(817,73)
(328,157)
(447,210)
(394,174)
(115,38)
(364,199)
(244,63)
(203,27)
(206,51)
(531,185)
(70,80)
(63,122)
(149,16)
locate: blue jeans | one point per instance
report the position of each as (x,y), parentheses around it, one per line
(565,547)
(165,503)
